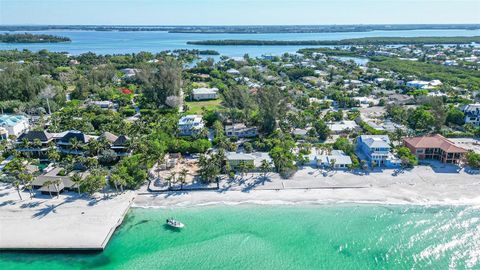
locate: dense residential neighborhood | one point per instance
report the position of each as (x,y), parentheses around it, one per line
(151,117)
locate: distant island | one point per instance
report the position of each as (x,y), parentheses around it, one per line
(245,29)
(352,41)
(31,38)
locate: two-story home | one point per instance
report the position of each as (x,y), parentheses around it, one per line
(73,142)
(119,144)
(435,147)
(240,131)
(190,125)
(472,114)
(34,143)
(377,150)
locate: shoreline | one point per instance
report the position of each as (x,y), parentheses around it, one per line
(73,222)
(422,186)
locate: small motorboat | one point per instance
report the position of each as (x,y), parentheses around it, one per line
(174,223)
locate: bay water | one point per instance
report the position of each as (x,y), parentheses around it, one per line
(114,42)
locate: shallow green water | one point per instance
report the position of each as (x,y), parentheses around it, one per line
(282,237)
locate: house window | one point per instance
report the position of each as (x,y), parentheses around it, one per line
(419,151)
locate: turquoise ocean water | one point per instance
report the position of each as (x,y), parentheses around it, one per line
(282,237)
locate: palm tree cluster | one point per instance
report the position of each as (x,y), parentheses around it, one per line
(211,166)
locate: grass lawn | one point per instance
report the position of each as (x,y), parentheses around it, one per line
(195,107)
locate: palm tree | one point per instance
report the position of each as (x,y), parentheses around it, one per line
(37,143)
(168,179)
(242,167)
(56,184)
(114,179)
(53,155)
(364,164)
(77,179)
(27,179)
(91,162)
(47,184)
(172,177)
(94,146)
(332,164)
(182,178)
(75,144)
(25,143)
(122,182)
(265,167)
(17,187)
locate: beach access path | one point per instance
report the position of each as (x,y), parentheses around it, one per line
(69,222)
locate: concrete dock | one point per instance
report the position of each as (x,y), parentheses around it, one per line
(69,222)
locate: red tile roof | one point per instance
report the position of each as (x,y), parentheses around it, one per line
(434,141)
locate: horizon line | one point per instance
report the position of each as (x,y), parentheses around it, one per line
(243,25)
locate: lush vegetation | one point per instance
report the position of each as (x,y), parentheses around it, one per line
(31,38)
(352,41)
(469,79)
(243,28)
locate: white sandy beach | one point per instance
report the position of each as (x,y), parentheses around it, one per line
(67,222)
(423,185)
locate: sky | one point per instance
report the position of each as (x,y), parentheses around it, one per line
(238,12)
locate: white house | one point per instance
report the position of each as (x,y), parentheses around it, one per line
(424,84)
(472,114)
(104,104)
(190,125)
(254,159)
(376,150)
(129,72)
(205,93)
(15,125)
(240,131)
(337,158)
(341,126)
(233,71)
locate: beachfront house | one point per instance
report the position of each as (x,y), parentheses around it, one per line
(472,114)
(435,147)
(204,93)
(253,160)
(55,181)
(190,125)
(240,131)
(34,143)
(14,124)
(335,159)
(376,150)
